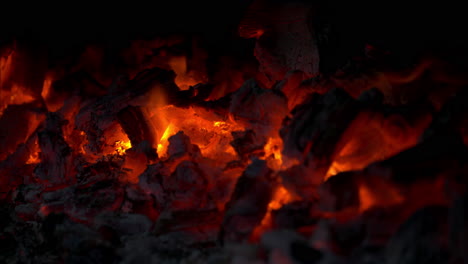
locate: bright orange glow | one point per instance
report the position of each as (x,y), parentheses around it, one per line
(46,86)
(163,141)
(16,95)
(205,129)
(11,93)
(6,63)
(184,78)
(273,149)
(33,158)
(373,137)
(280,197)
(122,146)
(378,193)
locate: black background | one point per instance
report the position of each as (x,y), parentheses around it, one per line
(406,29)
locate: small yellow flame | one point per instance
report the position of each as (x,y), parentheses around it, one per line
(163,141)
(122,146)
(219,124)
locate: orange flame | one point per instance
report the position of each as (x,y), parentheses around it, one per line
(122,146)
(281,197)
(184,78)
(163,141)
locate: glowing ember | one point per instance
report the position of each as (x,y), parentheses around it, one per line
(184,78)
(163,141)
(281,197)
(122,146)
(33,158)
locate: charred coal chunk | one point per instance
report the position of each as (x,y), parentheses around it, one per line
(99,171)
(180,145)
(88,201)
(442,152)
(186,187)
(16,122)
(259,109)
(15,165)
(315,127)
(248,144)
(80,82)
(151,182)
(56,156)
(194,95)
(136,125)
(248,203)
(285,40)
(340,191)
(202,225)
(293,215)
(421,239)
(99,115)
(298,179)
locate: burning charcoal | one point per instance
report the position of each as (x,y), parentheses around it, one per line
(421,239)
(150,182)
(293,215)
(426,161)
(285,41)
(298,181)
(332,133)
(99,171)
(79,82)
(248,144)
(248,203)
(137,158)
(136,125)
(17,123)
(260,109)
(316,127)
(180,145)
(13,165)
(56,158)
(194,95)
(291,86)
(186,187)
(340,191)
(98,116)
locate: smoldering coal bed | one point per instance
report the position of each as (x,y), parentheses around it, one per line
(266,132)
